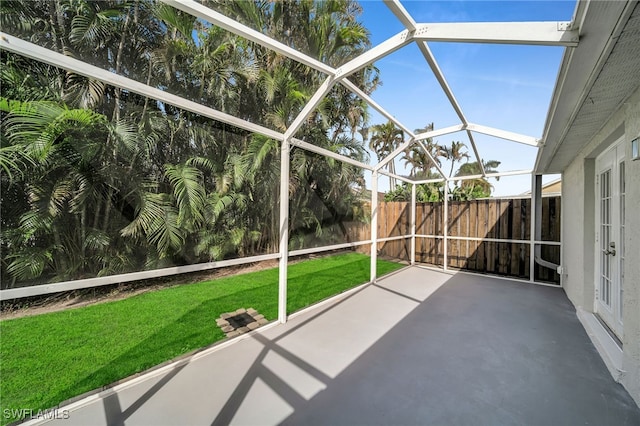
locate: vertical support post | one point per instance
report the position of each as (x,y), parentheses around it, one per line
(536,213)
(562,228)
(413,224)
(538,225)
(445,220)
(374,225)
(284,230)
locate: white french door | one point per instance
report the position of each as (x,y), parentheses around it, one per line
(610,223)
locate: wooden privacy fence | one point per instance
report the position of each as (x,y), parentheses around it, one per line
(494,219)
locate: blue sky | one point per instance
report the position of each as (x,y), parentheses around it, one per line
(503,86)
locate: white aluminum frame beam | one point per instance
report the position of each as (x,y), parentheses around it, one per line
(38,290)
(437,72)
(198,10)
(397,238)
(396,42)
(433,161)
(370,56)
(33,51)
(401,13)
(504,134)
(312,250)
(419,182)
(373,104)
(285,149)
(395,176)
(526,33)
(543,33)
(394,154)
(322,151)
(373,265)
(492,175)
(413,224)
(476,153)
(440,132)
(315,100)
(445,227)
(425,135)
(536,187)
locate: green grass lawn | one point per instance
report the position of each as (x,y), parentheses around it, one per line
(52,357)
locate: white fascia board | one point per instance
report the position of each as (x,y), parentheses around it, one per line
(41,54)
(401,13)
(198,10)
(395,176)
(428,56)
(315,100)
(535,33)
(433,161)
(440,132)
(503,134)
(372,55)
(355,89)
(325,152)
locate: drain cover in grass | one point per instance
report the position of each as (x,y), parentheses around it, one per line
(240,321)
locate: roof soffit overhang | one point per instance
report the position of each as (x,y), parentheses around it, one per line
(589,87)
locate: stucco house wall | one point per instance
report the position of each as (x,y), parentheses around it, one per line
(578,235)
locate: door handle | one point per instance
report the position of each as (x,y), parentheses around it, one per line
(611,250)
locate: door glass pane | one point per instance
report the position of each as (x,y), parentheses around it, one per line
(605,237)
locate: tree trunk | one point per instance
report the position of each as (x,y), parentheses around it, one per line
(115,116)
(55,10)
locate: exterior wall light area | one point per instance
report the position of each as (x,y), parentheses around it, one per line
(635,150)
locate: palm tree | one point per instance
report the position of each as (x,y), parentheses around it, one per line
(479,186)
(55,228)
(417,158)
(98,180)
(455,154)
(385,138)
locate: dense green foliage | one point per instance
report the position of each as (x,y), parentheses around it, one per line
(97,180)
(49,358)
(470,189)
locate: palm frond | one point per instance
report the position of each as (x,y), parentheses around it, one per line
(189,192)
(29,263)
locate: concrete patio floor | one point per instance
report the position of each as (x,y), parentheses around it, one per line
(420,347)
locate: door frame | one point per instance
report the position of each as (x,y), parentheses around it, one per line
(610,159)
